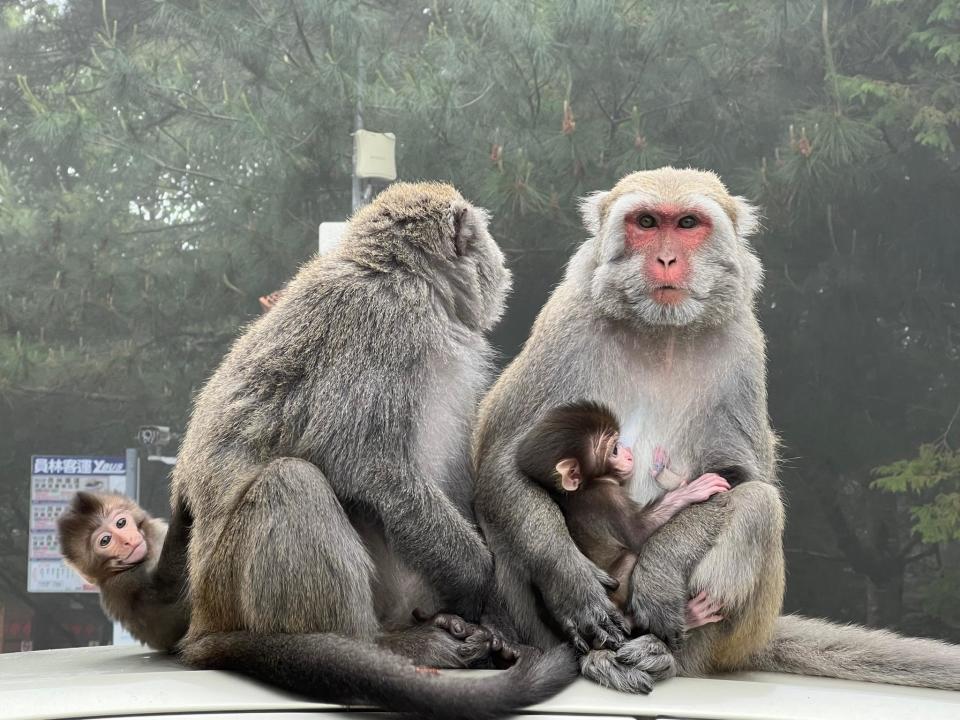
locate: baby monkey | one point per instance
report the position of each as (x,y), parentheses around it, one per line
(574,451)
(138,565)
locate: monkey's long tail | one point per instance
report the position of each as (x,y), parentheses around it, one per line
(816,647)
(332,668)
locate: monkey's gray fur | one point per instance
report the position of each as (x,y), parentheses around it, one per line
(689,376)
(326,466)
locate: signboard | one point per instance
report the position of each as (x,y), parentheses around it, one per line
(53,481)
(375,155)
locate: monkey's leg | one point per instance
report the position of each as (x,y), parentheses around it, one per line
(425,529)
(744,570)
(288,560)
(659,583)
(285,597)
(658,599)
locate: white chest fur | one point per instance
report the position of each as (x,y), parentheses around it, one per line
(661,390)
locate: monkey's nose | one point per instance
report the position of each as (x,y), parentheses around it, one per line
(666,259)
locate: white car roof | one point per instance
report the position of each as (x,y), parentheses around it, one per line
(127,681)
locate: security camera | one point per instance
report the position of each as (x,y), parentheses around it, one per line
(154,436)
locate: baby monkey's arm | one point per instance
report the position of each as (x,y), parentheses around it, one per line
(685,493)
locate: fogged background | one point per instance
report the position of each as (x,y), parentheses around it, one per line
(165,164)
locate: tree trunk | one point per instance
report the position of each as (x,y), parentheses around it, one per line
(885,602)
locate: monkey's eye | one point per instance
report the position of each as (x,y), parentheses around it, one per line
(121,522)
(104,540)
(688,221)
(616,449)
(647,221)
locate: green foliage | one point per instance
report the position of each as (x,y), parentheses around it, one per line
(931,481)
(934,477)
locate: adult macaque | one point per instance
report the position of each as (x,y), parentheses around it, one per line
(136,562)
(655,317)
(326,465)
(574,452)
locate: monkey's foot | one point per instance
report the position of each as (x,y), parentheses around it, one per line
(703,610)
(478,642)
(648,653)
(634,668)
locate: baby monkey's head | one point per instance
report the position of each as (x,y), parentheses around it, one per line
(573,445)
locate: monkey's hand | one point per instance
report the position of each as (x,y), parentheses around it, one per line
(703,488)
(479,642)
(658,605)
(578,601)
(684,495)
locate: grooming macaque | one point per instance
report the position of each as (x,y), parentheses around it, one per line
(326,466)
(574,451)
(655,318)
(138,564)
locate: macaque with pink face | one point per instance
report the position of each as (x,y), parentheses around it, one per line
(139,567)
(575,453)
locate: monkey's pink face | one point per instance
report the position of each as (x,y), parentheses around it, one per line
(666,236)
(119,538)
(621,460)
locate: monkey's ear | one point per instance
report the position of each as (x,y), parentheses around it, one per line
(590,210)
(747,216)
(569,471)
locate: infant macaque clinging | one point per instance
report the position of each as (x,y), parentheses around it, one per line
(139,567)
(574,451)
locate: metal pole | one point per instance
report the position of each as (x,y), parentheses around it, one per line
(133,473)
(357,192)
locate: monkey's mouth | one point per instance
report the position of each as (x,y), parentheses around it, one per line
(669,294)
(137,554)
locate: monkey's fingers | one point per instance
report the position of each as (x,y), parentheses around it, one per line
(703,610)
(713,480)
(616,626)
(608,581)
(573,634)
(705,487)
(476,647)
(453,624)
(601,639)
(510,652)
(487,642)
(694,621)
(421,615)
(713,606)
(610,632)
